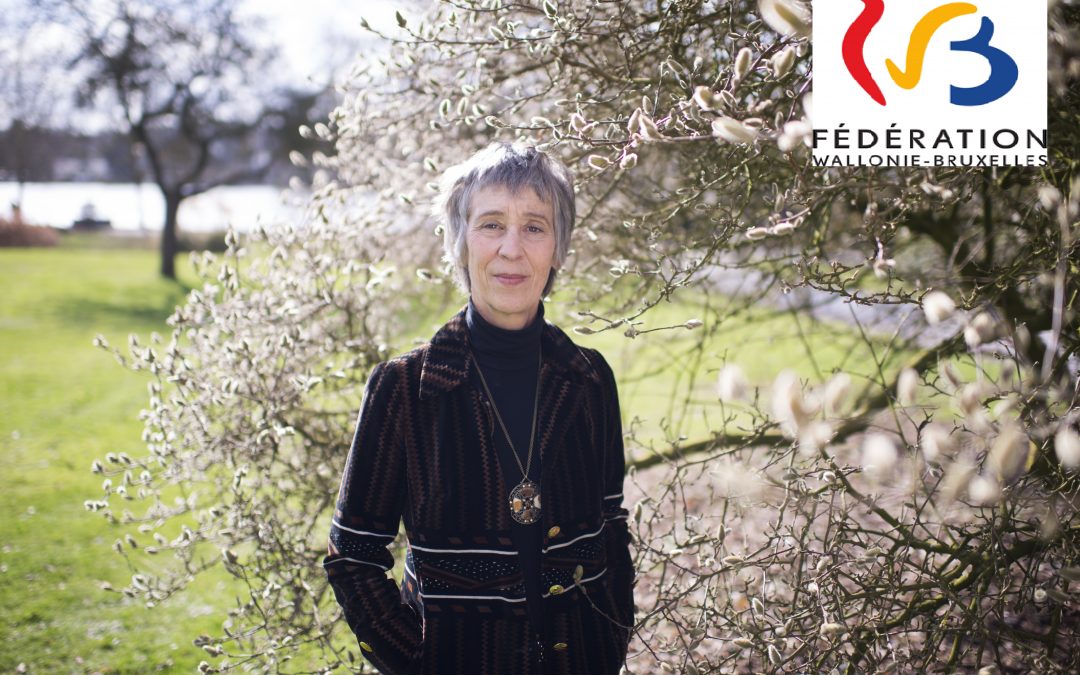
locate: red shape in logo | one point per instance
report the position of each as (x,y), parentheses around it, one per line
(855,39)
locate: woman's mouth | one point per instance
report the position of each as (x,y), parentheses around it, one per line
(510,279)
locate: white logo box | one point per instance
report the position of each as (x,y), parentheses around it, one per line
(845,116)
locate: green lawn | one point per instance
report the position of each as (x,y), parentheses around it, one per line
(667,379)
(64,403)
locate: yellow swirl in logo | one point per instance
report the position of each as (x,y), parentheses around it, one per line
(920,39)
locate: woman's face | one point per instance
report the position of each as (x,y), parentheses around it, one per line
(511,244)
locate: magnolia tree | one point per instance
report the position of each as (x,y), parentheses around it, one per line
(910,518)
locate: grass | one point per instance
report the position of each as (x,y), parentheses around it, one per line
(64,403)
(667,378)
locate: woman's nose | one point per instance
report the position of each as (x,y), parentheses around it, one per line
(510,246)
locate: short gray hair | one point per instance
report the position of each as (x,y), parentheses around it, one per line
(513,166)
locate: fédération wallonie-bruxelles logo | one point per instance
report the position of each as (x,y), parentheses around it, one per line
(927,83)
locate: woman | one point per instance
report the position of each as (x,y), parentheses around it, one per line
(499,444)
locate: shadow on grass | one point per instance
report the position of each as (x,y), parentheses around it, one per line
(127,311)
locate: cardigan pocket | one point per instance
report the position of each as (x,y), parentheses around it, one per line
(458,644)
(582,638)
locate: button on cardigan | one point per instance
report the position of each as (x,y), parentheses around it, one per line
(422,454)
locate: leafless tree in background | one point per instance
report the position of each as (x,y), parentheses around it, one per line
(31,91)
(191,84)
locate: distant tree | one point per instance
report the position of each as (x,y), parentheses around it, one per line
(192,84)
(31,95)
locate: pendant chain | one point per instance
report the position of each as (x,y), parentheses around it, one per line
(536,405)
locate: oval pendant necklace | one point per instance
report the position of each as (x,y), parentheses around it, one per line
(524,498)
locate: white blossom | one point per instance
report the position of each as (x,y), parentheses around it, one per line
(984,490)
(731,384)
(837,390)
(795,133)
(789,405)
(649,130)
(787,17)
(907,387)
(937,306)
(983,328)
(936,443)
(733,131)
(1009,454)
(879,456)
(956,478)
(783,62)
(1049,197)
(742,62)
(706,98)
(1067,448)
(815,436)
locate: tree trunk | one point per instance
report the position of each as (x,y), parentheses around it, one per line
(168,235)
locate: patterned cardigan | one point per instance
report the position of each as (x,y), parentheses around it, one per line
(424,453)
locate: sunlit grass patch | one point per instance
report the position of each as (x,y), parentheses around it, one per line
(63,404)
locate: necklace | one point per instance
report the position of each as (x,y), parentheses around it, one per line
(525,497)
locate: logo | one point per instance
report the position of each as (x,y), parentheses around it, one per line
(1003,69)
(929,83)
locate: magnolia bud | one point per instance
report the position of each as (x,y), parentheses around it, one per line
(1008,457)
(937,306)
(836,393)
(984,490)
(705,98)
(787,17)
(1067,448)
(936,443)
(731,384)
(742,62)
(649,130)
(878,456)
(907,386)
(783,62)
(733,131)
(597,162)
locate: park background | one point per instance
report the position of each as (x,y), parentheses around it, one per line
(849,397)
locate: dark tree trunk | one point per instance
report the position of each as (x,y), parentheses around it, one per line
(168,235)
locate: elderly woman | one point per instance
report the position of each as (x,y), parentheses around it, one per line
(499,444)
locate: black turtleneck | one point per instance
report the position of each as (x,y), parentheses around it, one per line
(510,361)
